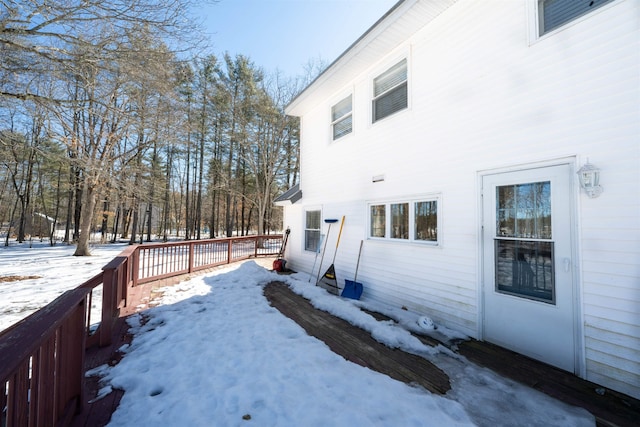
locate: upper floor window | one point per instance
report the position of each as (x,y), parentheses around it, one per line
(342,118)
(390,91)
(555,13)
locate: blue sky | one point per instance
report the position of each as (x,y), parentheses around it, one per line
(286,34)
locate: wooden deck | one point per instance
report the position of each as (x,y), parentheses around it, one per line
(98,412)
(356,345)
(610,409)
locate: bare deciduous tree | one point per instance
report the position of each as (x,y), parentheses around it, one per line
(44,37)
(98,49)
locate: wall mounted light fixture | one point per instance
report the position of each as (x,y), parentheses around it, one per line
(589,176)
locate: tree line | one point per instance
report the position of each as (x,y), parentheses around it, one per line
(109,123)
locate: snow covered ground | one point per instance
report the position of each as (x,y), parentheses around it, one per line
(55,271)
(215,353)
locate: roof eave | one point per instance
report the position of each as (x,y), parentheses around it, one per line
(391,31)
(289,197)
(361,43)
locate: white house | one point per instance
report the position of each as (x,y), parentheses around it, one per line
(449,136)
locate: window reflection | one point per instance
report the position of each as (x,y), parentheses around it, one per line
(312,231)
(400,221)
(525,269)
(524,210)
(378,220)
(426,221)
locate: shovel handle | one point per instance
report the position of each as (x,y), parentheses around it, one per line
(355,277)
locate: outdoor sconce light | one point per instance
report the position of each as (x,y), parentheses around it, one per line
(589,176)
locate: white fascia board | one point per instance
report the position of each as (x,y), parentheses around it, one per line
(395,27)
(344,65)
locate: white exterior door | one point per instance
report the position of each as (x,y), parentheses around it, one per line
(528,289)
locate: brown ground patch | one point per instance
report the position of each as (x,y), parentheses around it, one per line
(17,278)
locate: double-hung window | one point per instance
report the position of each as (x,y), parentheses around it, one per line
(312,230)
(408,220)
(390,92)
(342,118)
(553,14)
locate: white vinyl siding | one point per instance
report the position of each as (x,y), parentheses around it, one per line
(555,13)
(342,118)
(483,98)
(390,91)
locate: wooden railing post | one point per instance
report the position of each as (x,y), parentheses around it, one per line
(135,266)
(229,251)
(71,349)
(108,302)
(123,282)
(191,255)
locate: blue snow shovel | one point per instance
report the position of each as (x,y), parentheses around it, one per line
(353,289)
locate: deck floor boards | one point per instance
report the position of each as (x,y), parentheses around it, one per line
(356,345)
(610,409)
(97,412)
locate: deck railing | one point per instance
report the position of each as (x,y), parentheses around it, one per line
(42,356)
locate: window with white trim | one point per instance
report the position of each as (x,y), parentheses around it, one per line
(390,92)
(342,118)
(553,14)
(378,221)
(426,221)
(413,220)
(399,221)
(312,230)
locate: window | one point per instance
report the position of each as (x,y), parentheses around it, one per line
(390,91)
(412,220)
(400,220)
(426,221)
(312,231)
(523,245)
(378,221)
(342,118)
(555,13)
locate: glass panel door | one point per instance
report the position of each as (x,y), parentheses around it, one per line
(523,246)
(528,285)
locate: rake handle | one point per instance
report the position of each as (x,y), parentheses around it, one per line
(338,241)
(340,232)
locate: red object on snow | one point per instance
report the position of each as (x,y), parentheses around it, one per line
(278,264)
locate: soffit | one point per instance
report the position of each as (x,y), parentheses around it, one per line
(403,20)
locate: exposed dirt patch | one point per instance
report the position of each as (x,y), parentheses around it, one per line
(17,278)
